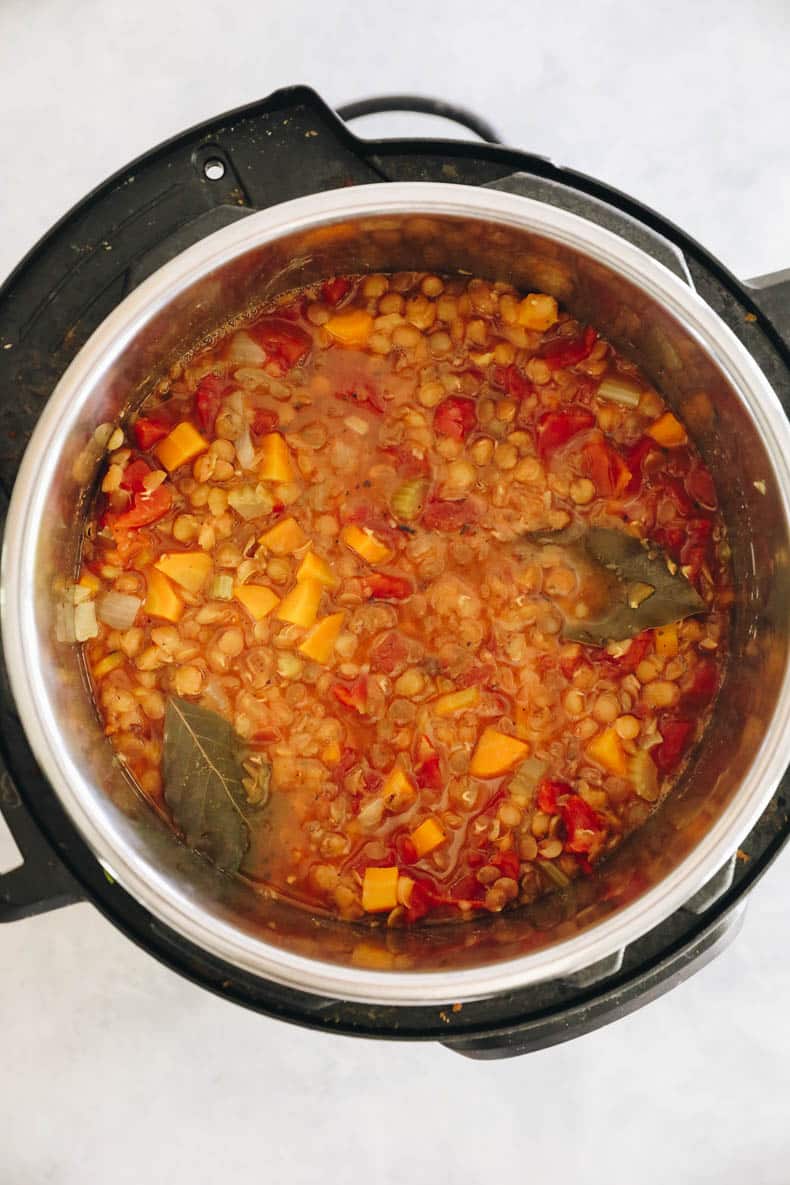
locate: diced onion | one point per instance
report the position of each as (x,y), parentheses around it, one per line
(85,623)
(357,424)
(619,391)
(243,350)
(250,501)
(117,610)
(243,442)
(222,587)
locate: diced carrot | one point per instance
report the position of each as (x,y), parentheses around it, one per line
(190,569)
(183,444)
(379,889)
(162,600)
(108,663)
(313,567)
(667,640)
(350,329)
(457,701)
(319,644)
(522,721)
(257,599)
(537,311)
(667,431)
(300,606)
(398,789)
(90,580)
(364,543)
(427,836)
(496,752)
(607,750)
(331,754)
(284,538)
(276,463)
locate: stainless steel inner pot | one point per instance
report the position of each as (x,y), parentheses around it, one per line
(653,317)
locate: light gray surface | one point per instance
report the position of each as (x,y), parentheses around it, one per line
(113,1069)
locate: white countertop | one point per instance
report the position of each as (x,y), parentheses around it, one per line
(113,1068)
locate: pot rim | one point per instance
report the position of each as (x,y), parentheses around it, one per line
(143,881)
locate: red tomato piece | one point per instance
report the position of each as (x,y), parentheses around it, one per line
(354,696)
(285,343)
(699,484)
(549,793)
(210,392)
(423,900)
(147,432)
(383,587)
(635,458)
(511,380)
(133,475)
(676,736)
(408,463)
(555,428)
(334,290)
(636,652)
(264,421)
(427,766)
(146,508)
(508,863)
(455,417)
(564,351)
(583,825)
(704,684)
(448,516)
(606,469)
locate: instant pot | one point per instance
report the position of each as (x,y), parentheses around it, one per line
(251,204)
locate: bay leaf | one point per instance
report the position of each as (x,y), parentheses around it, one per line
(203,766)
(641,589)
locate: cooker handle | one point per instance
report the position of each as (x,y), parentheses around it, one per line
(381,104)
(40,882)
(772,294)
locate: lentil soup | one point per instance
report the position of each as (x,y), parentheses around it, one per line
(409,597)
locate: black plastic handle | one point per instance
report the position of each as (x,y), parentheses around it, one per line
(423,105)
(41,883)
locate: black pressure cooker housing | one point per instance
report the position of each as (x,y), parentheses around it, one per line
(284,147)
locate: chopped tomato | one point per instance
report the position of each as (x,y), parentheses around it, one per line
(448,516)
(146,508)
(427,766)
(563,351)
(384,587)
(583,825)
(549,793)
(210,392)
(606,469)
(264,421)
(555,428)
(508,863)
(286,344)
(333,291)
(354,696)
(455,417)
(636,652)
(699,485)
(636,458)
(133,475)
(676,736)
(704,684)
(407,462)
(510,379)
(148,431)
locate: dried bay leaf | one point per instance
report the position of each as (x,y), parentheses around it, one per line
(641,590)
(203,765)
